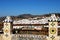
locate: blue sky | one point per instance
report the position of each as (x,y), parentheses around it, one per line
(35,7)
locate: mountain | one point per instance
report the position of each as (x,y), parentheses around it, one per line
(25,16)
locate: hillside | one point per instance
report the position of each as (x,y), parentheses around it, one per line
(26,16)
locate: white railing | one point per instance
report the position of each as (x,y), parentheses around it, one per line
(28,37)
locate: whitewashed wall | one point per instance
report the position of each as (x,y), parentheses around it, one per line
(27,21)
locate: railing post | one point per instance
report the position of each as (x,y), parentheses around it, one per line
(7,28)
(53,31)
